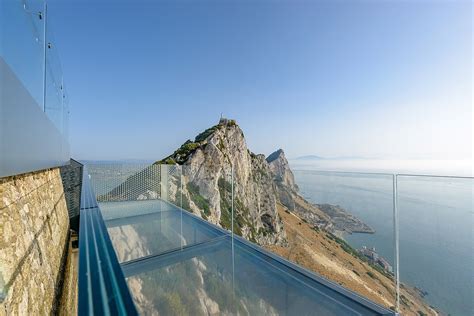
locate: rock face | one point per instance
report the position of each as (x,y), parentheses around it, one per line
(344,221)
(281,170)
(283,178)
(208,162)
(259,183)
(332,218)
(289,196)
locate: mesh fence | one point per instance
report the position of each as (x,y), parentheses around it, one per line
(126,182)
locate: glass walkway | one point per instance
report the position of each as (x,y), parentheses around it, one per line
(152,257)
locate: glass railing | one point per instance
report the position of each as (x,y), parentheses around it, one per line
(353,237)
(401,242)
(28,47)
(420,226)
(436,225)
(176,232)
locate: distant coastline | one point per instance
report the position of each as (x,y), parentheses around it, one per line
(315,157)
(462,168)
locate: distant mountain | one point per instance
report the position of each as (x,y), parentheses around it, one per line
(309,157)
(314,157)
(349,158)
(124,161)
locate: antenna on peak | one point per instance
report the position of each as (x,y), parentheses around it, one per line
(223,120)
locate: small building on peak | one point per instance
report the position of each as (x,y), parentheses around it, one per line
(226,121)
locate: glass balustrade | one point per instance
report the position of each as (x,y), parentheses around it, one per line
(342,227)
(178,256)
(436,218)
(28,47)
(347,233)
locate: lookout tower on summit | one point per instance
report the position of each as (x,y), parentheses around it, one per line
(223,120)
(226,121)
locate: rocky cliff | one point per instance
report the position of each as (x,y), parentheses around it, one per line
(208,165)
(284,179)
(259,183)
(268,209)
(280,168)
(332,218)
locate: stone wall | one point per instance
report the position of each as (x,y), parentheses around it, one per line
(34,232)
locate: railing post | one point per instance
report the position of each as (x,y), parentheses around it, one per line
(181,203)
(181,187)
(164,182)
(232,197)
(232,227)
(396,244)
(45,45)
(62,105)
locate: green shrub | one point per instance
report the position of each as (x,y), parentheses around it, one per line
(370,274)
(169,161)
(201,202)
(202,136)
(187,148)
(186,205)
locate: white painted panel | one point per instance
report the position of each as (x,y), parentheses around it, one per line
(28,139)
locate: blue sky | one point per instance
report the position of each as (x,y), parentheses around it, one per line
(386,79)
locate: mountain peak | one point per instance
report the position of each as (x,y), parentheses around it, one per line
(215,154)
(281,170)
(275,155)
(226,128)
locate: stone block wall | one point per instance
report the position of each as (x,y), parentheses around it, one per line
(34,232)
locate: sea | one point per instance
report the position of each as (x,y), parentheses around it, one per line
(435,212)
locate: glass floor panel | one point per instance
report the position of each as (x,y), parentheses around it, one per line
(115,210)
(140,229)
(225,277)
(177,264)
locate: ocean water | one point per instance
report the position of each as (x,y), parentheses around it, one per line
(436,221)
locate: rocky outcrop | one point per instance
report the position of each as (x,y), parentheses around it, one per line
(284,179)
(280,168)
(288,195)
(331,218)
(343,221)
(210,162)
(204,173)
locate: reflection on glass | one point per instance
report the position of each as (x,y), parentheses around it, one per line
(143,228)
(22,44)
(156,240)
(54,82)
(29,49)
(221,281)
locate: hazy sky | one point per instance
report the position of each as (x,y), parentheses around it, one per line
(376,78)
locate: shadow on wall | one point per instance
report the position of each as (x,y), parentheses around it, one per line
(71,176)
